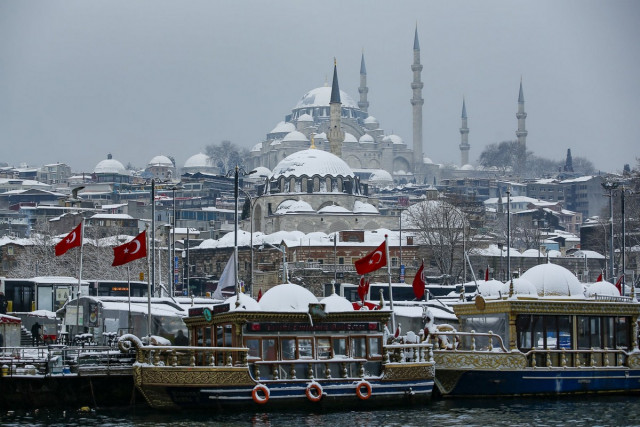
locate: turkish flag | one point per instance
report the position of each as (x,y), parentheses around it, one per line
(599,279)
(486,274)
(373,261)
(259,294)
(135,249)
(619,285)
(418,283)
(72,240)
(363,288)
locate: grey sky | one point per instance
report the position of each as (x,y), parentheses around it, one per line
(80,79)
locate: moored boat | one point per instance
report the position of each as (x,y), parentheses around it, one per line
(540,336)
(288,348)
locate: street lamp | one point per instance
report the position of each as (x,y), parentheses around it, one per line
(252,201)
(172,244)
(610,186)
(624,234)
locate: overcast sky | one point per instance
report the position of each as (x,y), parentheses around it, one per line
(80,79)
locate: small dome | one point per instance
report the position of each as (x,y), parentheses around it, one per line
(381,175)
(312,162)
(553,280)
(467,167)
(305,118)
(246,303)
(366,139)
(261,172)
(110,165)
(276,142)
(490,288)
(334,303)
(371,120)
(396,139)
(287,297)
(363,207)
(427,161)
(320,97)
(293,206)
(295,136)
(322,135)
(602,288)
(161,161)
(283,127)
(197,161)
(521,287)
(257,147)
(349,137)
(334,209)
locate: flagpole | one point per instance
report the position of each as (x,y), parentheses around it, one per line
(393,314)
(79,276)
(129,288)
(146,226)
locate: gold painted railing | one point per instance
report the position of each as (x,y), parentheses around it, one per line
(547,358)
(408,353)
(192,356)
(456,342)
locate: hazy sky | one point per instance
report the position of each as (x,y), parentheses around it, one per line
(80,79)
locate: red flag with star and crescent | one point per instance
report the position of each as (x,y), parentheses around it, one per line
(373,261)
(72,240)
(135,249)
(419,283)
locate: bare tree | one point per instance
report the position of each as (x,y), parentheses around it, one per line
(226,155)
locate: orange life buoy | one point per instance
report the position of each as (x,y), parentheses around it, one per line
(314,392)
(367,393)
(260,399)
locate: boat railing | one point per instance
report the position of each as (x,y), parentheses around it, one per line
(408,353)
(611,298)
(336,367)
(191,356)
(583,358)
(455,340)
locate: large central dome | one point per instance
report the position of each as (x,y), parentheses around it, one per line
(320,97)
(312,162)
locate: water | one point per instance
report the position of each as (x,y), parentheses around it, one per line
(578,411)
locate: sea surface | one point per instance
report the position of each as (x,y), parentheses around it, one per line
(574,411)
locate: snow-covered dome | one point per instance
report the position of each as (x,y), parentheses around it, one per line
(295,136)
(349,137)
(287,297)
(366,139)
(370,120)
(333,209)
(257,147)
(161,161)
(532,253)
(320,97)
(602,288)
(467,167)
(289,206)
(396,139)
(521,287)
(283,127)
(335,303)
(553,280)
(261,172)
(246,303)
(305,118)
(427,161)
(312,162)
(491,288)
(197,161)
(110,165)
(380,175)
(363,207)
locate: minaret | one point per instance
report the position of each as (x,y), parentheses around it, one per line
(464,137)
(521,133)
(417,103)
(363,89)
(335,134)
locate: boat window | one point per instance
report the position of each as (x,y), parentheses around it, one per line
(253,344)
(537,330)
(497,324)
(374,347)
(288,348)
(523,323)
(199,336)
(594,332)
(358,347)
(305,348)
(564,332)
(339,347)
(583,332)
(622,332)
(324,348)
(269,349)
(608,331)
(228,336)
(208,336)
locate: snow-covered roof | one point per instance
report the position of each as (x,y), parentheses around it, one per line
(312,162)
(293,206)
(396,139)
(161,161)
(335,303)
(320,97)
(366,139)
(582,253)
(287,297)
(360,207)
(246,303)
(553,280)
(111,216)
(349,137)
(198,160)
(467,167)
(333,209)
(370,120)
(283,127)
(107,166)
(490,288)
(522,287)
(295,136)
(305,118)
(601,288)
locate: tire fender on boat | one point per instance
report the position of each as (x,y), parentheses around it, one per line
(367,392)
(314,392)
(260,399)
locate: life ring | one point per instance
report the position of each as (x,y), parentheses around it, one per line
(316,394)
(367,393)
(261,400)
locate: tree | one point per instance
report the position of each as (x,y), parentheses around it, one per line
(226,156)
(506,155)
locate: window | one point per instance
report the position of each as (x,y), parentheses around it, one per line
(358,347)
(324,348)
(269,349)
(288,348)
(253,344)
(339,347)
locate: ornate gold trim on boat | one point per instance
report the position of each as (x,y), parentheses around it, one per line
(192,377)
(408,371)
(476,360)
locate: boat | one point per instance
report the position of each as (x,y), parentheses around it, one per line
(289,348)
(539,335)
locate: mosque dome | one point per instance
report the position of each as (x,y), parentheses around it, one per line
(371,120)
(521,287)
(257,147)
(334,303)
(553,280)
(305,118)
(198,161)
(366,139)
(283,127)
(246,303)
(349,137)
(333,209)
(295,136)
(261,172)
(161,161)
(320,97)
(467,167)
(396,139)
(381,175)
(293,206)
(312,162)
(287,297)
(363,207)
(110,166)
(602,288)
